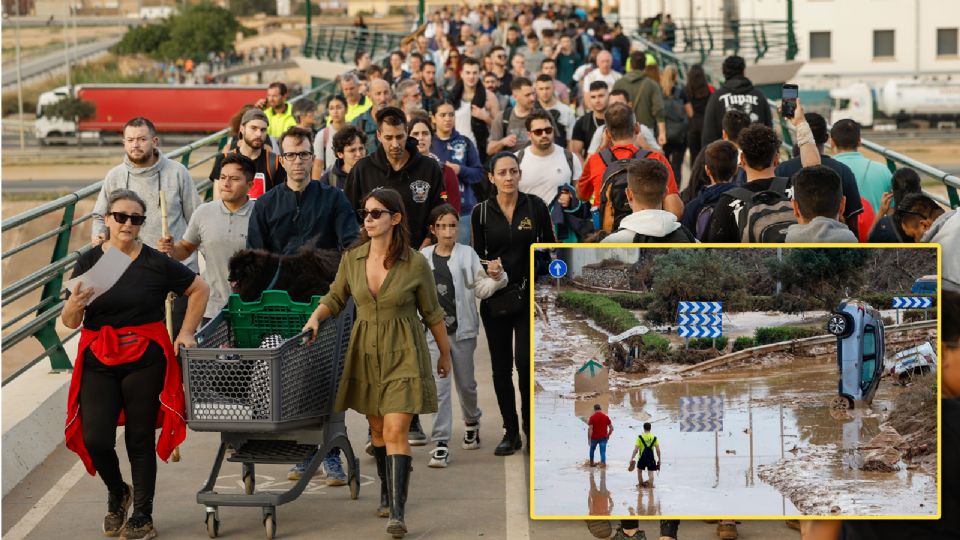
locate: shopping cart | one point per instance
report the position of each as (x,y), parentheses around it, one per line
(259,381)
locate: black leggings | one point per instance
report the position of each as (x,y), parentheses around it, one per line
(508,339)
(135,389)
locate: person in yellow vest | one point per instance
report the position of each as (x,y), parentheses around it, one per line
(357,103)
(647,443)
(279,112)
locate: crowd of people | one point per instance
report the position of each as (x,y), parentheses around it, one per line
(490,129)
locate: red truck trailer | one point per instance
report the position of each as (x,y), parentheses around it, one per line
(172,108)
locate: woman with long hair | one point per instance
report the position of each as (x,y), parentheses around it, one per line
(504,227)
(677,120)
(698,93)
(126,365)
(323,142)
(387,372)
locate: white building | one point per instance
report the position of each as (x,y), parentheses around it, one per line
(843,41)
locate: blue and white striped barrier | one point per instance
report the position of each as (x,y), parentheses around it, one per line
(700,331)
(701,307)
(912,302)
(699,319)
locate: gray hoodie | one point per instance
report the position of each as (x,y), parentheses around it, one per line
(946,232)
(182,198)
(822,230)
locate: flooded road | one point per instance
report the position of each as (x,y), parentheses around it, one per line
(775,417)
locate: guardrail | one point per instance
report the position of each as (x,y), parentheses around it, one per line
(39,320)
(754,38)
(339,43)
(892,158)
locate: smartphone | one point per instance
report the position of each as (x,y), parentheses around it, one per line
(790,94)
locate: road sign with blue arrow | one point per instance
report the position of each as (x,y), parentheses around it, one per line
(700,307)
(699,319)
(700,331)
(558,269)
(912,302)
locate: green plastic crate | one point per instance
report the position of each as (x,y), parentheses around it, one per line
(274,313)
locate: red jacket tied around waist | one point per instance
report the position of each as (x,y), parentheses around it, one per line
(105,344)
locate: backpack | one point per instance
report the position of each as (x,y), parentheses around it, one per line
(613,197)
(566,154)
(764,216)
(679,236)
(273,162)
(675,116)
(703,220)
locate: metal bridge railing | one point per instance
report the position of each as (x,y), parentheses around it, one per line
(892,158)
(751,38)
(335,43)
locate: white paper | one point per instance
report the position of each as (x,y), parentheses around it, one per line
(103,275)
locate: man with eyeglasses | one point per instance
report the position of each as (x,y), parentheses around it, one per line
(303,213)
(146,171)
(544,165)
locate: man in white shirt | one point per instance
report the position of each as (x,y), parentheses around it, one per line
(603,72)
(544,166)
(562,114)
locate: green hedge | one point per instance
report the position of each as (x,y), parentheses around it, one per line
(631,300)
(609,315)
(707,343)
(743,342)
(777,334)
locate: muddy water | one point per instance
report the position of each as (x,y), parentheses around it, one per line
(775,416)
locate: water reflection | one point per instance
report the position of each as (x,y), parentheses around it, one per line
(599,502)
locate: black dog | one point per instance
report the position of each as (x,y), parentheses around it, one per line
(307,273)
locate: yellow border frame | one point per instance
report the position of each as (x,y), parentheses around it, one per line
(533,444)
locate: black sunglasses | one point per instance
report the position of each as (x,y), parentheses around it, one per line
(541,131)
(122,218)
(375,213)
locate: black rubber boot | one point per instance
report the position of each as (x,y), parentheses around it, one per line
(398,471)
(380,454)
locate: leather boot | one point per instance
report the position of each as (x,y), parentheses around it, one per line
(380,454)
(398,472)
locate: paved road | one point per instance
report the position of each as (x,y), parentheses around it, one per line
(478,495)
(54,60)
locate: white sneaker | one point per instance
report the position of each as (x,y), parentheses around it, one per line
(471,437)
(439,457)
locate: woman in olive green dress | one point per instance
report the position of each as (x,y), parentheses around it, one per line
(386,375)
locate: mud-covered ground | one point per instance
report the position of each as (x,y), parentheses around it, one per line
(781,450)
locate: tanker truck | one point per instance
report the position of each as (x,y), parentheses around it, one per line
(898,101)
(173,109)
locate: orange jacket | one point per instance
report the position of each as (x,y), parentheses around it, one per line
(588,188)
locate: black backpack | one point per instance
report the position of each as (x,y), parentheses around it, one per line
(679,236)
(613,190)
(764,216)
(676,119)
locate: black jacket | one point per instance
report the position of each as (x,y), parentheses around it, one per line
(420,183)
(493,237)
(284,220)
(736,93)
(334,176)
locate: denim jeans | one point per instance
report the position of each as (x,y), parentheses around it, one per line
(602,443)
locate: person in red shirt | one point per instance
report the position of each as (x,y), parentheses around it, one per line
(598,431)
(622,130)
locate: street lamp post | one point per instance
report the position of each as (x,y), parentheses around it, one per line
(66,40)
(23,142)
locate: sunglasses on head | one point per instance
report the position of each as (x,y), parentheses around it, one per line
(375,213)
(542,131)
(122,218)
